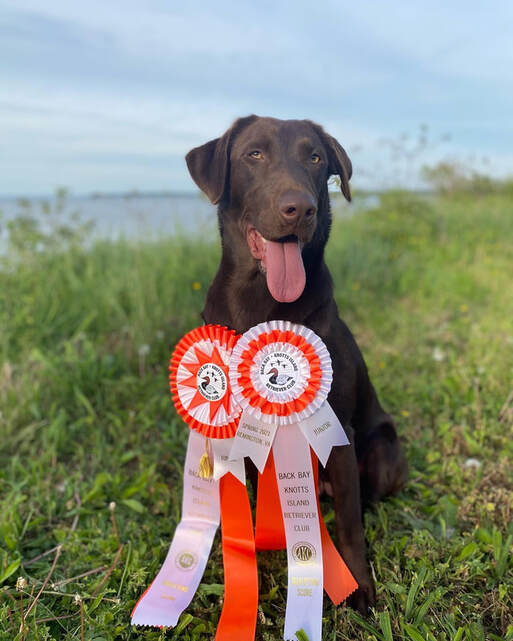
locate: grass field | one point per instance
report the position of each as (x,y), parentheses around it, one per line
(92,450)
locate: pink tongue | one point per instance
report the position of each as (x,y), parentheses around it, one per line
(285,271)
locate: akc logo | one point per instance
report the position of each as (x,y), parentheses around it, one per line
(186,560)
(303,552)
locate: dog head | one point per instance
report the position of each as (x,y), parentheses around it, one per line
(269,178)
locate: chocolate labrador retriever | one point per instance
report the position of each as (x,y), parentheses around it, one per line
(269,179)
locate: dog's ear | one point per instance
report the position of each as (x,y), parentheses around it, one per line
(339,164)
(338,160)
(209,165)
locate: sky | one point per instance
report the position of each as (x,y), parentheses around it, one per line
(109,95)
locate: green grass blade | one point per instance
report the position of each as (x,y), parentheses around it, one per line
(386,628)
(412,593)
(413,633)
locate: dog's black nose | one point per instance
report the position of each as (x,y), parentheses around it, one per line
(295,205)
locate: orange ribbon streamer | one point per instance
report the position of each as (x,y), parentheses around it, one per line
(339,583)
(269,530)
(238,617)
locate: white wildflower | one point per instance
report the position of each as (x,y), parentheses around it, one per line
(438,354)
(21,583)
(143,350)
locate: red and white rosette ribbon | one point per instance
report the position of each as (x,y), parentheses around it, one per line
(198,380)
(201,392)
(200,389)
(281,375)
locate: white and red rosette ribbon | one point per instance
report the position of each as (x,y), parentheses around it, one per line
(281,375)
(281,371)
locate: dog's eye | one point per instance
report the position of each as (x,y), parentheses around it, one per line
(256,154)
(315,158)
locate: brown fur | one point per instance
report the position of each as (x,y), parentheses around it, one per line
(251,192)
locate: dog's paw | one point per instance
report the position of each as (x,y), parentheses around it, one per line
(363,599)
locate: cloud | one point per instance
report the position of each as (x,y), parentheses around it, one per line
(113,84)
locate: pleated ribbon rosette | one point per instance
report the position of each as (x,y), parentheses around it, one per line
(262,395)
(281,375)
(200,389)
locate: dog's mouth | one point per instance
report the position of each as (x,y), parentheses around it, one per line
(282,263)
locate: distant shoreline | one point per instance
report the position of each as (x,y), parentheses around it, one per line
(99,194)
(178,194)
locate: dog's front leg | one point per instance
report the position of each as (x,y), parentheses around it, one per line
(342,469)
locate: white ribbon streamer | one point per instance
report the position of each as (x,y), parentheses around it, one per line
(323,431)
(222,464)
(298,500)
(254,438)
(175,585)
